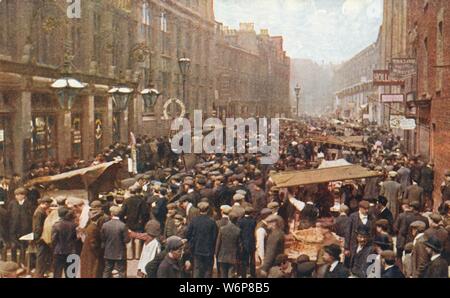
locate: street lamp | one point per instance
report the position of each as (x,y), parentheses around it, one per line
(185,64)
(121,96)
(150,97)
(297,90)
(67,88)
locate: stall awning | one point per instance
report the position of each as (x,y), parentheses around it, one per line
(326,164)
(94,176)
(296,178)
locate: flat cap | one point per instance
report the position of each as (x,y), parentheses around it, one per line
(174,243)
(241,192)
(203,206)
(364,204)
(420,225)
(20,191)
(274,218)
(153,228)
(436,218)
(409,247)
(382,222)
(265,211)
(238,197)
(249,210)
(393,174)
(226,209)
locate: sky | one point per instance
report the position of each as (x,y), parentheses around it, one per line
(321,30)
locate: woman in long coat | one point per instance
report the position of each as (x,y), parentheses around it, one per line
(92,252)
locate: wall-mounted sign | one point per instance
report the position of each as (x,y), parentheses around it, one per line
(381,77)
(98,129)
(408,124)
(390,98)
(402,67)
(395,121)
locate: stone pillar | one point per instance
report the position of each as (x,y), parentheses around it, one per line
(107,122)
(22,133)
(64,136)
(135,115)
(88,118)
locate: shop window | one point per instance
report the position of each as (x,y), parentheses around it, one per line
(43,140)
(76,136)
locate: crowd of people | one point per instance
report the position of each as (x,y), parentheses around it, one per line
(225,217)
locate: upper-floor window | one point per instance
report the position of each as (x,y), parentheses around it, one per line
(163,22)
(146,14)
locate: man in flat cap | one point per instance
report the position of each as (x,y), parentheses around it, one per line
(151,247)
(357,219)
(275,242)
(224,220)
(437,267)
(390,269)
(43,252)
(169,227)
(64,238)
(415,193)
(237,207)
(202,235)
(228,247)
(134,213)
(189,209)
(170,267)
(262,231)
(20,223)
(427,183)
(274,206)
(115,237)
(419,255)
(247,224)
(392,191)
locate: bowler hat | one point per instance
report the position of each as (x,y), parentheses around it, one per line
(384,223)
(333,250)
(418,224)
(382,241)
(434,243)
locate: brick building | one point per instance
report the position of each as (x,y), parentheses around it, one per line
(120,42)
(429,41)
(252,75)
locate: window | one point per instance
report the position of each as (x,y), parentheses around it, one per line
(163,22)
(146,15)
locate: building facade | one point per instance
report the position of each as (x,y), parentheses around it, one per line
(252,74)
(429,41)
(356,96)
(136,44)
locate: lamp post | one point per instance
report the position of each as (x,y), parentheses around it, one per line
(185,64)
(67,88)
(297,90)
(150,97)
(121,96)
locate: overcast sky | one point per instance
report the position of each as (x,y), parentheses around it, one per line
(321,30)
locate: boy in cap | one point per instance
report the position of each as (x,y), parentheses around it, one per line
(169,228)
(151,247)
(20,223)
(275,242)
(43,253)
(170,267)
(357,219)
